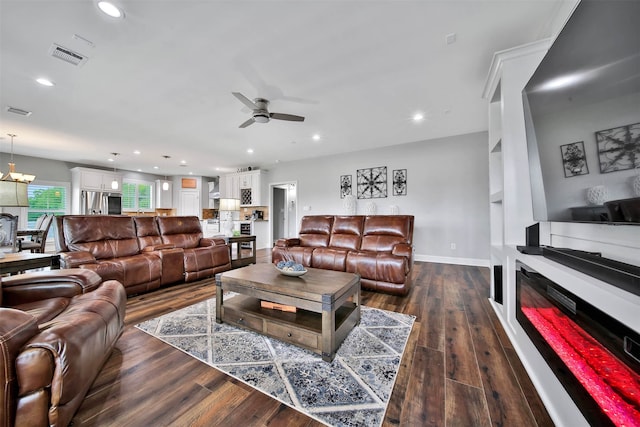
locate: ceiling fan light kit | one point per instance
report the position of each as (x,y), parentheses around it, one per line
(260,114)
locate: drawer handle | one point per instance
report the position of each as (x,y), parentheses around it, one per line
(289,334)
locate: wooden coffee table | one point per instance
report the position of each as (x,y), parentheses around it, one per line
(327,302)
(18,262)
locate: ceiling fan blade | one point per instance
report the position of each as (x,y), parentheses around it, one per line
(246,101)
(290,117)
(247,123)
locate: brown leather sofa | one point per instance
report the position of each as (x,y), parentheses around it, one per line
(377,247)
(57,329)
(143,253)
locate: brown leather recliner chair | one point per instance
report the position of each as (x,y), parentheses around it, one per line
(57,329)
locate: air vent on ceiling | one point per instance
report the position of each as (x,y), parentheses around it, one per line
(67,55)
(18,111)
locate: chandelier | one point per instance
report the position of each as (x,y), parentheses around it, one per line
(13,185)
(12,175)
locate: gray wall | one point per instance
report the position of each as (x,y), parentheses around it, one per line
(447,191)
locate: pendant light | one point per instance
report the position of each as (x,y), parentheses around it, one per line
(12,175)
(114,183)
(13,193)
(165,184)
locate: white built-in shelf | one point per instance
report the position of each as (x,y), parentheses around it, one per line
(496,197)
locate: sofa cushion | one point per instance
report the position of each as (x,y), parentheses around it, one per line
(382,232)
(297,254)
(378,266)
(329,259)
(145,268)
(315,230)
(103,236)
(181,231)
(147,231)
(347,232)
(205,261)
(45,309)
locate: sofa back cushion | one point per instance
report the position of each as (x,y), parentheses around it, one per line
(181,231)
(382,232)
(104,236)
(315,230)
(347,232)
(147,231)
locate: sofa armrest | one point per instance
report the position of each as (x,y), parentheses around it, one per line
(402,249)
(287,243)
(41,285)
(212,241)
(16,328)
(158,247)
(76,259)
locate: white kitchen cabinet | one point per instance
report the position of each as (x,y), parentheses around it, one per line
(96,180)
(164,198)
(229,186)
(245,186)
(244,179)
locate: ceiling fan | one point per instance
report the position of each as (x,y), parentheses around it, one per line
(260,113)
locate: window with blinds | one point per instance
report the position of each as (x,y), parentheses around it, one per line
(46,198)
(137,195)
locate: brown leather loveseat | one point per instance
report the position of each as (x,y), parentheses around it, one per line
(378,247)
(143,253)
(57,329)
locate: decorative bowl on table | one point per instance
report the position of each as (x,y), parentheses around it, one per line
(290,268)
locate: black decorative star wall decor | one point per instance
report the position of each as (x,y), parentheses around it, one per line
(372,183)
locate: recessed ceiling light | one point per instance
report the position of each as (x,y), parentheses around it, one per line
(136,152)
(111,159)
(155,167)
(110,9)
(45,82)
(250,150)
(316,137)
(183,162)
(139,170)
(418,117)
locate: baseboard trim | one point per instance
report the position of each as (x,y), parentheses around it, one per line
(476,262)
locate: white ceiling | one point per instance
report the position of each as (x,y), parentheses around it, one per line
(160,80)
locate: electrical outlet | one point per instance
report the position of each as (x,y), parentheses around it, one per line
(453,246)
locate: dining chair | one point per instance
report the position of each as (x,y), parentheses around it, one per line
(8,233)
(36,239)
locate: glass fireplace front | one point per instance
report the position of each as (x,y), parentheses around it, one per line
(595,357)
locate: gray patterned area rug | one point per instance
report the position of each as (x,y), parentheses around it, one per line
(353,390)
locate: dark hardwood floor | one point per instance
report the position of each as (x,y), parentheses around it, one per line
(459,368)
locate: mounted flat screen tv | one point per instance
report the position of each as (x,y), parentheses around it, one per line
(582,117)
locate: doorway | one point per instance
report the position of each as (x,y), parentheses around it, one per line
(283,210)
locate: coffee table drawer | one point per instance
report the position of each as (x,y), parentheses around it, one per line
(242,319)
(293,335)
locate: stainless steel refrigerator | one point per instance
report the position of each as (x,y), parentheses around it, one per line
(100,203)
